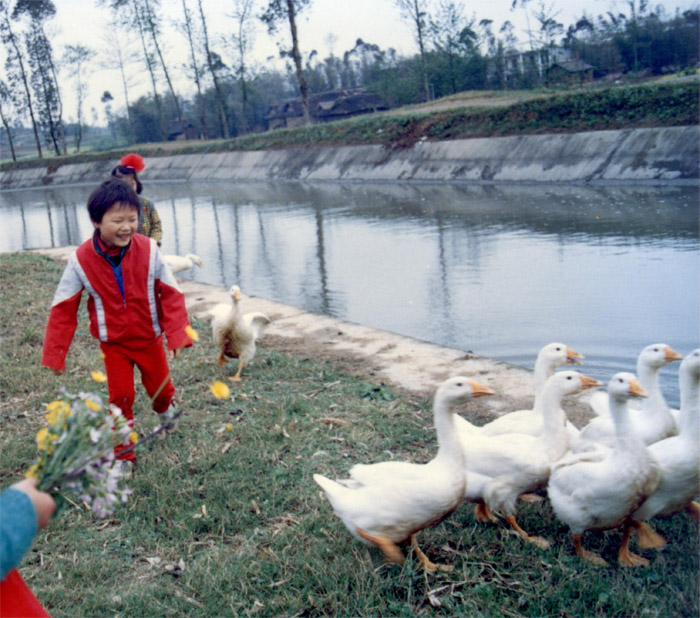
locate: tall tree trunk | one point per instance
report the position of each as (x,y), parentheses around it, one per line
(219,95)
(149,64)
(25,80)
(296,56)
(9,134)
(195,69)
(151,22)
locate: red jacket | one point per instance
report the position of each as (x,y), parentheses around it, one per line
(152,302)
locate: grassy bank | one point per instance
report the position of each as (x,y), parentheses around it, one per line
(595,109)
(228,522)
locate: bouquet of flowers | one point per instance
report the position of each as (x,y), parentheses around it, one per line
(76,451)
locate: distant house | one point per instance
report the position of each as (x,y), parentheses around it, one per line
(573,71)
(175,132)
(324,107)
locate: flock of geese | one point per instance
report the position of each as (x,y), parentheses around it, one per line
(633,461)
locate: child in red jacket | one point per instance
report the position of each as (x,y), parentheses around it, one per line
(133,300)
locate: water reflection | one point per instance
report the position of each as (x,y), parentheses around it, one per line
(497,269)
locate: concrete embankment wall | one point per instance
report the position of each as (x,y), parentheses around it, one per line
(660,155)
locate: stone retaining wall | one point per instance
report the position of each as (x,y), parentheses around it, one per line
(658,155)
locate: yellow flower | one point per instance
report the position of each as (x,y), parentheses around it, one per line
(134,437)
(93,405)
(192,333)
(32,472)
(229,427)
(220,390)
(98,376)
(43,439)
(58,406)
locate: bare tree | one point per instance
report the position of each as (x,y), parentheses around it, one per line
(212,63)
(416,12)
(242,39)
(276,12)
(44,75)
(18,77)
(152,26)
(77,56)
(194,67)
(5,98)
(118,57)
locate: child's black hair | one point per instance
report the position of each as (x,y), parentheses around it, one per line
(124,170)
(111,192)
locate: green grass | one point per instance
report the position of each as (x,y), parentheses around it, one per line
(595,108)
(230,523)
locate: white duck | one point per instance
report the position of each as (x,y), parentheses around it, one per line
(500,468)
(177,263)
(652,420)
(678,458)
(235,333)
(387,503)
(550,357)
(598,490)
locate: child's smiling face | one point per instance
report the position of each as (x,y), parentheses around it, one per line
(118,225)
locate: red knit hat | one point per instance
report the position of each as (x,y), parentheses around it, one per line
(134,161)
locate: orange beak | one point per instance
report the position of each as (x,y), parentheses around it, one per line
(672,355)
(573,357)
(479,389)
(636,389)
(587,382)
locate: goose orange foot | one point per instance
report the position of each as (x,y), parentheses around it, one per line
(625,557)
(390,550)
(586,555)
(647,537)
(537,540)
(693,509)
(425,562)
(483,514)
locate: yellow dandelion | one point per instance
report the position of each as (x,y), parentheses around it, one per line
(134,437)
(192,333)
(98,376)
(229,427)
(32,473)
(43,439)
(58,406)
(92,405)
(220,390)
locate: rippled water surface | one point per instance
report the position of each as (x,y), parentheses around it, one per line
(496,269)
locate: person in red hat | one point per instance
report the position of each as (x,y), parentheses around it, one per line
(149,220)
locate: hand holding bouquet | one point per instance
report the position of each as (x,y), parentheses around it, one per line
(76,451)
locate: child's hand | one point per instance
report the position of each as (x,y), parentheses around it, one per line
(44,504)
(59,372)
(176,352)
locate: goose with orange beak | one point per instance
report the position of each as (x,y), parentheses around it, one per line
(598,490)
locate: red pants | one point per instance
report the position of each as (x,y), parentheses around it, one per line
(17,600)
(155,377)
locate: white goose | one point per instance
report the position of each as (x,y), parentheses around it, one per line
(387,503)
(652,420)
(550,357)
(678,459)
(500,468)
(235,333)
(600,489)
(177,263)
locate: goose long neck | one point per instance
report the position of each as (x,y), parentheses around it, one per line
(625,435)
(448,440)
(543,369)
(649,379)
(554,435)
(689,419)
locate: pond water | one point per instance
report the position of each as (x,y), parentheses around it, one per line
(499,270)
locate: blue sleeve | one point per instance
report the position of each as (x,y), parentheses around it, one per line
(18,525)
